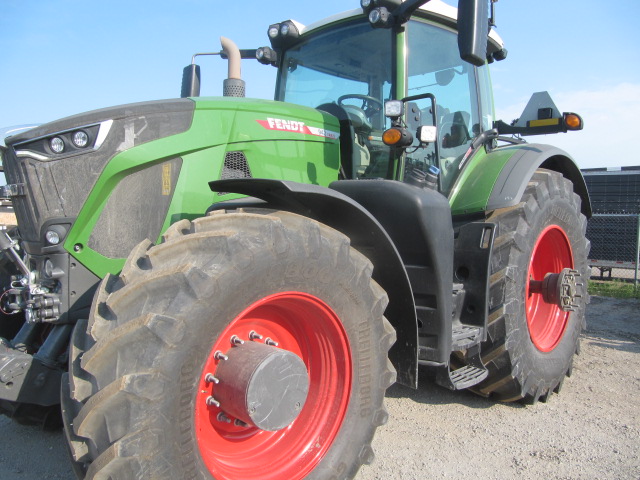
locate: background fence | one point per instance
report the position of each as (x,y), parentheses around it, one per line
(615,245)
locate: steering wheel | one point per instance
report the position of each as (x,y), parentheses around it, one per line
(370,104)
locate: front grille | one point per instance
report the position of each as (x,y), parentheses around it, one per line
(59,186)
(53,188)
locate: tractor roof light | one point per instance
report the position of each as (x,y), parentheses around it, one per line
(274,31)
(284,34)
(397,137)
(380,18)
(267,56)
(368,5)
(500,55)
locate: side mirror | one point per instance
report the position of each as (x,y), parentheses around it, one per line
(473,30)
(191,81)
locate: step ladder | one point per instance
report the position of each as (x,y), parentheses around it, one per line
(465,338)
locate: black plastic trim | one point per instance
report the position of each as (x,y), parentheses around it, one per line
(418,221)
(27,380)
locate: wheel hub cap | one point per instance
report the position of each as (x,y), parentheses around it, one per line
(561,289)
(262,385)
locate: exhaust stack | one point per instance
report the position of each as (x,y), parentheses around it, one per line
(233,85)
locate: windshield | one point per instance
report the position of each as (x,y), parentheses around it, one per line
(346,71)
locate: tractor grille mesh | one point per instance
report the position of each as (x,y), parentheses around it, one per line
(235,166)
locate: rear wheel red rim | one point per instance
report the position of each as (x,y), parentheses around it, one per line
(302,324)
(547,322)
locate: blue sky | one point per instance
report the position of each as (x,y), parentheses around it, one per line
(61,57)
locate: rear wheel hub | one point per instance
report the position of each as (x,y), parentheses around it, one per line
(553,291)
(261,385)
(561,289)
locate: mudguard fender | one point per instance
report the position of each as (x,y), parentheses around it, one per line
(519,169)
(367,236)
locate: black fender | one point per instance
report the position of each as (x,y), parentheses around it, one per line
(367,236)
(515,175)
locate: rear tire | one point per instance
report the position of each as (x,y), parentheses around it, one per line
(531,344)
(137,405)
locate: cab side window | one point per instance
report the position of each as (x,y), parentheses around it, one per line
(435,67)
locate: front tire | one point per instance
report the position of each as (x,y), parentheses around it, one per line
(531,341)
(141,403)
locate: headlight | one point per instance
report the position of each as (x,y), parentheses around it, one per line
(80,139)
(52,237)
(65,143)
(56,144)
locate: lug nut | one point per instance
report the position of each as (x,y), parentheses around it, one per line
(212,402)
(222,417)
(235,340)
(220,356)
(270,342)
(209,378)
(239,423)
(254,336)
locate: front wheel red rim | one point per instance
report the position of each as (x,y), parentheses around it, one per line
(302,324)
(546,321)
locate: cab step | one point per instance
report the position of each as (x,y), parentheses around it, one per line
(464,337)
(465,376)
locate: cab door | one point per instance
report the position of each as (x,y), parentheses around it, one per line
(435,68)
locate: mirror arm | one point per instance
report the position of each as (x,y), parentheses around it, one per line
(403,13)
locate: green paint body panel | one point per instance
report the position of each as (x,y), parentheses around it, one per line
(472,190)
(273,149)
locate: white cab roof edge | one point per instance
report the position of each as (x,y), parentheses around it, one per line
(436,7)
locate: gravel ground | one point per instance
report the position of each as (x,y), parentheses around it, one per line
(590,431)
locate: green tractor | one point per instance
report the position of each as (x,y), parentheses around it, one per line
(225,287)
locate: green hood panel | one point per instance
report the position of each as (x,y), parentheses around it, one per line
(242,120)
(228,138)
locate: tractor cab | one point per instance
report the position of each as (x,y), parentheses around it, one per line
(347,68)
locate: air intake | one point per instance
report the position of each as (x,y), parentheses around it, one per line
(235,166)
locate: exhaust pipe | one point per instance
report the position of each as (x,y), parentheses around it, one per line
(233,85)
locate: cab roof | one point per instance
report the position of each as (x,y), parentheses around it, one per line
(435,10)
